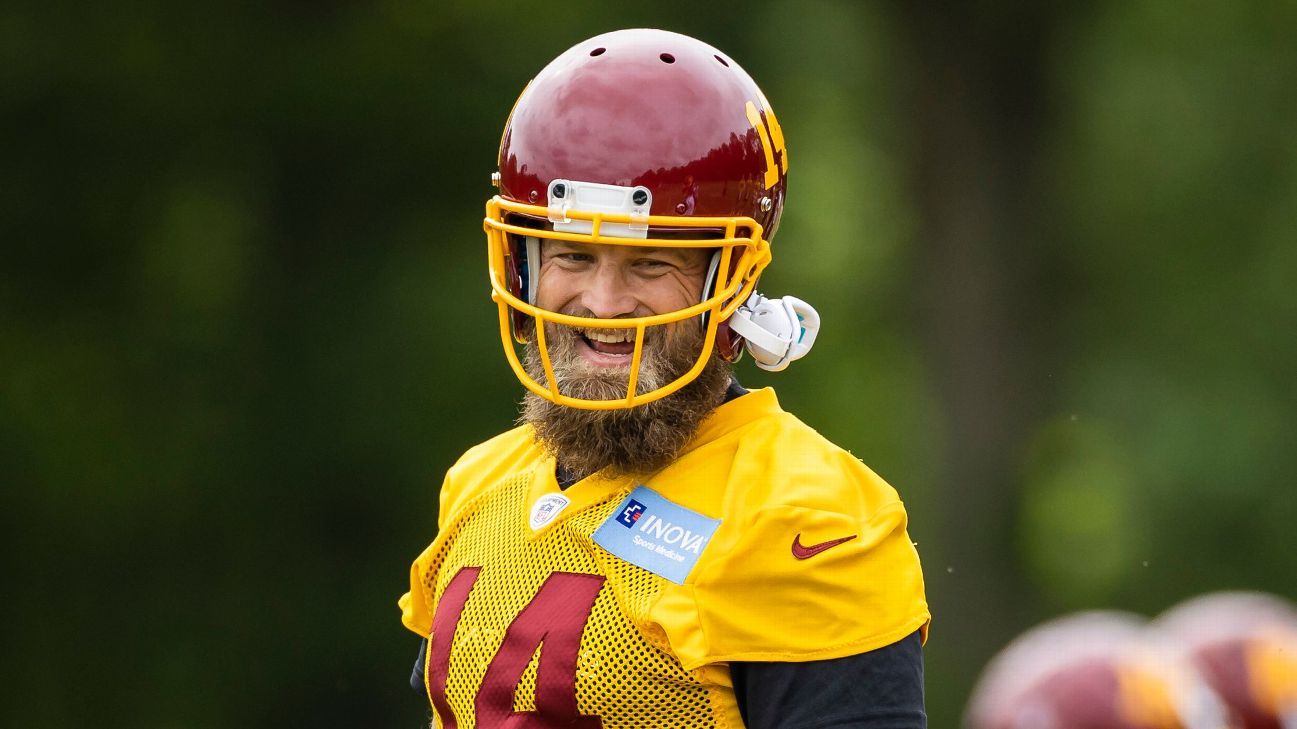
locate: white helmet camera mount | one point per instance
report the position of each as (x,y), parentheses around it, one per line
(777,331)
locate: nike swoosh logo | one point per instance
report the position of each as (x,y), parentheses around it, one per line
(804,552)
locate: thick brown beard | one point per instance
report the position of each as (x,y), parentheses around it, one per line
(638,440)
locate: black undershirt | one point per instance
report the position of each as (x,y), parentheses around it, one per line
(879,689)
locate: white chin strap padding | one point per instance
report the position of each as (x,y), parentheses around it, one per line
(712,268)
(533,267)
(777,331)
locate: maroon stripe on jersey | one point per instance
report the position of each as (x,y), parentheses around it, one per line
(555,617)
(444,624)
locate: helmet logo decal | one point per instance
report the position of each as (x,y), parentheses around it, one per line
(772,141)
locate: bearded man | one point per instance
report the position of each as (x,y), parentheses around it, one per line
(653,545)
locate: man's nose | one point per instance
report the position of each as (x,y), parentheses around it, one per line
(606,294)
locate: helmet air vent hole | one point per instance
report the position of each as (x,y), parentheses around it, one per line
(667,58)
(723,61)
(598,51)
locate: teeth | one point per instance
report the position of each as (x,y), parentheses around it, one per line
(610,336)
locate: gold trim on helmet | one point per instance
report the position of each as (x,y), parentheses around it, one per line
(735,281)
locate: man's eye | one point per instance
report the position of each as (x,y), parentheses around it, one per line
(573,257)
(653,264)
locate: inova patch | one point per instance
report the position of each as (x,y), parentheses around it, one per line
(656,534)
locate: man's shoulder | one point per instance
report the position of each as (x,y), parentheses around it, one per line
(490,462)
(518,442)
(811,559)
(786,462)
(787,432)
(758,420)
(781,438)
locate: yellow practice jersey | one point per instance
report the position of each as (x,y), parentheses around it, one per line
(619,602)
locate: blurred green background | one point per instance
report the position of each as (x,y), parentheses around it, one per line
(244,323)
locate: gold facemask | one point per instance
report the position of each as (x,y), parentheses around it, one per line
(741,259)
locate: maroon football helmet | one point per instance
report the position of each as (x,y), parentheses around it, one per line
(1091,670)
(652,109)
(1245,645)
(636,137)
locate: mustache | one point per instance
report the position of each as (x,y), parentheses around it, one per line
(654,336)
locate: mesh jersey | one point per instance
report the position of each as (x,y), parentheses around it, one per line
(545,627)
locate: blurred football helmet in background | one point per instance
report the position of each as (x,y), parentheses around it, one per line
(1092,670)
(1244,644)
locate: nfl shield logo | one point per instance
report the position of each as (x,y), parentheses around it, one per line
(545,509)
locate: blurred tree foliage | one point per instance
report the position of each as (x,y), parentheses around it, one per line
(244,325)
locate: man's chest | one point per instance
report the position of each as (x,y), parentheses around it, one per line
(543,627)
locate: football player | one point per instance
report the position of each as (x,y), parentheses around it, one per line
(655,546)
(1244,644)
(1093,670)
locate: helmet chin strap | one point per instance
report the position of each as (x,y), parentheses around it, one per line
(776,331)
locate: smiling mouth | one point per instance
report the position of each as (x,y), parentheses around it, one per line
(617,342)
